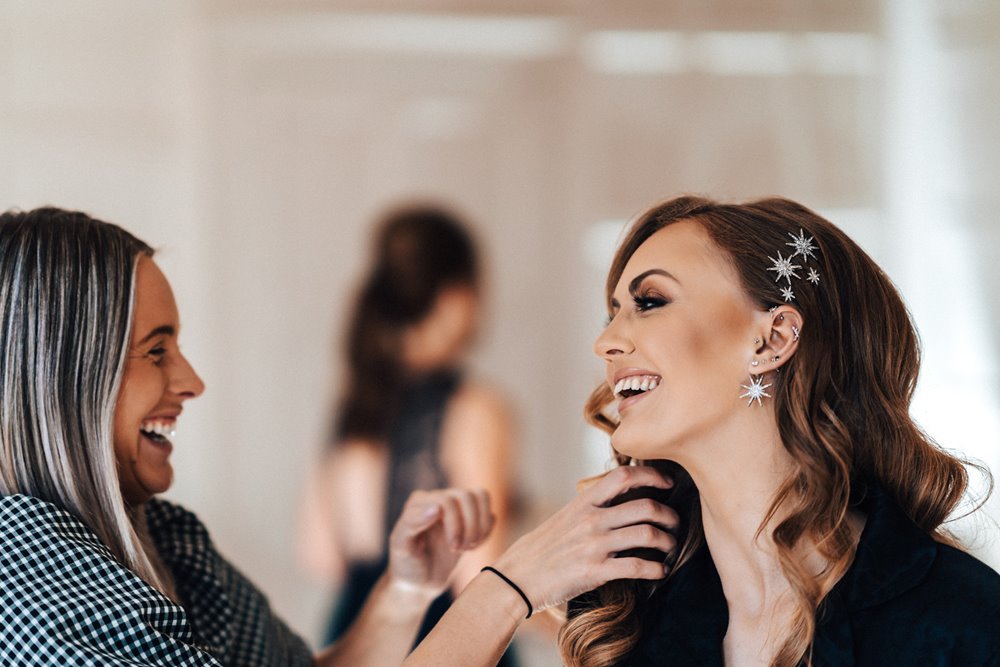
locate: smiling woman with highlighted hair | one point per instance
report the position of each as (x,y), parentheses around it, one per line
(94,569)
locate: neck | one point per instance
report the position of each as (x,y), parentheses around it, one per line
(739,471)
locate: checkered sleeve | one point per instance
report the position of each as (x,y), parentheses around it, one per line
(65,600)
(229,613)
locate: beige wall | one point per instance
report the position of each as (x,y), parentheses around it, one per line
(254,141)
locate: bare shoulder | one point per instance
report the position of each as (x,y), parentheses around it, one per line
(477,435)
(352,456)
(478,400)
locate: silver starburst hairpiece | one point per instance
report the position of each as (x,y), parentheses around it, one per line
(785,268)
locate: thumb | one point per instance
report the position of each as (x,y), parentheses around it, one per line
(417,520)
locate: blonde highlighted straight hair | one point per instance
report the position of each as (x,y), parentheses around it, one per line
(67,285)
(842,407)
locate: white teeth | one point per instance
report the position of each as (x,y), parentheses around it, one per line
(636,383)
(164,429)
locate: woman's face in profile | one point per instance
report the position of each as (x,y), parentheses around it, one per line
(157,381)
(682,328)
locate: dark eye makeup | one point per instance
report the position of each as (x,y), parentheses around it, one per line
(648,301)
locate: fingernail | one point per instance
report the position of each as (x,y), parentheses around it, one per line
(430,511)
(666,569)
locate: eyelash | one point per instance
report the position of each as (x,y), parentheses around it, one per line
(643,303)
(157,354)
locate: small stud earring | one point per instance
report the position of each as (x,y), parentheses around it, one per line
(775,358)
(781,318)
(756,341)
(755,363)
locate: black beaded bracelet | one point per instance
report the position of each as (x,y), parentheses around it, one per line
(512,585)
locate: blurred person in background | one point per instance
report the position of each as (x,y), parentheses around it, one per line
(94,568)
(409,417)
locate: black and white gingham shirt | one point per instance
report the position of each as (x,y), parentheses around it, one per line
(65,600)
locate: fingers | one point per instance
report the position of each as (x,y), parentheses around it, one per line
(623,479)
(642,510)
(643,536)
(420,513)
(465,516)
(634,568)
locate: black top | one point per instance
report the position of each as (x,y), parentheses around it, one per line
(414,463)
(906,600)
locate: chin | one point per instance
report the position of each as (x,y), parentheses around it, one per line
(160,482)
(629,445)
(644,447)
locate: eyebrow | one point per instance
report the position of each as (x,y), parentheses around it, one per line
(633,285)
(164,330)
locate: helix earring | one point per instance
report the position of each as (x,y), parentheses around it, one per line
(795,332)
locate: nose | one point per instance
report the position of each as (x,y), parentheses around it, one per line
(613,341)
(185,382)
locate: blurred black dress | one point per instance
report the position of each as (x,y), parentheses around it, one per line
(414,463)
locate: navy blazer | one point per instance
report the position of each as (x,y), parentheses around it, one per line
(905,600)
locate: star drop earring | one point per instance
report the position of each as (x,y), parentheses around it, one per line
(755,390)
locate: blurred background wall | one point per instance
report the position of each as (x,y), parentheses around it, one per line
(253,141)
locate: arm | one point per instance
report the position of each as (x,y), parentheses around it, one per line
(435,527)
(571,553)
(341,513)
(476,450)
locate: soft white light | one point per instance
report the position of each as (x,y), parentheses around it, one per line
(634,51)
(507,37)
(730,53)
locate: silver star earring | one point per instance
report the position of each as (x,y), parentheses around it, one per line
(795,332)
(755,390)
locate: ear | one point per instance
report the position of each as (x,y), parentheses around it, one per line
(779,339)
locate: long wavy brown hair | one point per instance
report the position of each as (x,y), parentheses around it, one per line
(842,407)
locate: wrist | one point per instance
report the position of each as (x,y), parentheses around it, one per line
(502,596)
(517,589)
(406,596)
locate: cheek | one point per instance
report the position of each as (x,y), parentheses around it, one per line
(141,390)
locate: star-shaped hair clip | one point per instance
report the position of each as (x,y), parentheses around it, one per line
(785,267)
(803,246)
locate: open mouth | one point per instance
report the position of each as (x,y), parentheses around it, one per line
(635,385)
(158,431)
